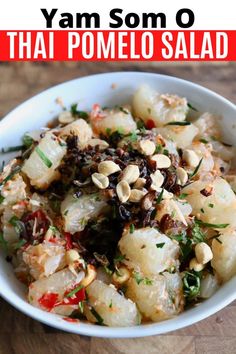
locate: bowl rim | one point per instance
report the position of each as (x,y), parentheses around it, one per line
(119,332)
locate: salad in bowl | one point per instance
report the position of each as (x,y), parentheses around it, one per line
(121,215)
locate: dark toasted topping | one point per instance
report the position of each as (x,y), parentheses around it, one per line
(207,191)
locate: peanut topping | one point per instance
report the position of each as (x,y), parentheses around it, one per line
(147,147)
(162,161)
(191,158)
(123,191)
(203,253)
(101,181)
(136,195)
(130,174)
(108,167)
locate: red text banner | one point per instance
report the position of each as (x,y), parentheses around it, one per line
(98,45)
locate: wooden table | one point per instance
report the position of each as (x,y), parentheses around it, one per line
(22,335)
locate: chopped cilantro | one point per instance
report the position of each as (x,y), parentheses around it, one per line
(19,226)
(158,148)
(197,234)
(75,112)
(191,282)
(202,210)
(20,243)
(166,152)
(204,141)
(180,237)
(211,205)
(139,279)
(147,281)
(108,131)
(27,141)
(107,270)
(141,125)
(119,258)
(3,243)
(183,195)
(132,228)
(160,245)
(1,199)
(110,305)
(133,136)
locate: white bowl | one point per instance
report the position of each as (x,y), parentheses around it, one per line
(110,89)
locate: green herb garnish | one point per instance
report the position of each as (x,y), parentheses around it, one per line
(81,306)
(147,281)
(183,195)
(197,234)
(27,141)
(75,112)
(19,226)
(119,258)
(99,319)
(191,107)
(191,282)
(74,291)
(158,148)
(139,279)
(3,243)
(186,249)
(206,224)
(110,305)
(166,152)
(19,244)
(12,174)
(204,141)
(180,237)
(11,149)
(202,210)
(179,123)
(2,166)
(122,109)
(132,228)
(196,169)
(216,237)
(1,199)
(211,205)
(133,136)
(43,157)
(141,125)
(107,270)
(160,245)
(160,196)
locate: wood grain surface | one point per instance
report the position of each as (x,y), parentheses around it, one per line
(21,335)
